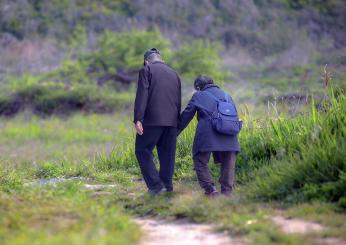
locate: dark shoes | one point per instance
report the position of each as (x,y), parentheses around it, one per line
(158,192)
(211,192)
(226,193)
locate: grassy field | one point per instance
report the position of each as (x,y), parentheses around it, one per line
(290,167)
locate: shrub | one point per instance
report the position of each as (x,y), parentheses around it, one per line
(124,50)
(313,161)
(119,56)
(46,99)
(197,58)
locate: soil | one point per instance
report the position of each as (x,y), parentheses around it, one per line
(182,232)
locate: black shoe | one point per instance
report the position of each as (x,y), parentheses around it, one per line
(157,192)
(212,192)
(226,193)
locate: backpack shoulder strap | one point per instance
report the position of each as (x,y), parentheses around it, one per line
(211,95)
(226,97)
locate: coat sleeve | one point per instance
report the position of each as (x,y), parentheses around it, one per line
(179,104)
(187,115)
(142,95)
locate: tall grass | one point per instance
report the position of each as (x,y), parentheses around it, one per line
(301,158)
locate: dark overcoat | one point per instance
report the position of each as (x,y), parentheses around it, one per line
(206,138)
(158,97)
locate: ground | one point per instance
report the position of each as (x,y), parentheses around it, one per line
(58,185)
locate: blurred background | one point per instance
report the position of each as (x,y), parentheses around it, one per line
(62,56)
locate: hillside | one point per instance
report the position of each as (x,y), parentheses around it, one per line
(290,32)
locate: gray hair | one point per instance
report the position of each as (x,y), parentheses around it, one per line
(154,57)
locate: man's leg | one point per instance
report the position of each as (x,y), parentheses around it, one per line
(166,149)
(144,152)
(227,165)
(205,180)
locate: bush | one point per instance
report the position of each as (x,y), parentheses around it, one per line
(124,50)
(46,99)
(119,56)
(312,163)
(197,58)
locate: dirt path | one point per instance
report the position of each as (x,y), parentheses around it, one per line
(163,232)
(296,225)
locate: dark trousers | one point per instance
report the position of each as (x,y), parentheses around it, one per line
(164,138)
(227,166)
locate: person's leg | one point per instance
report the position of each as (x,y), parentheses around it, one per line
(227,165)
(166,149)
(144,152)
(204,177)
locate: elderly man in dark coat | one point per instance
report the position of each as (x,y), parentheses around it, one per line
(207,140)
(156,114)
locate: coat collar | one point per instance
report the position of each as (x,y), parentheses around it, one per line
(210,86)
(160,62)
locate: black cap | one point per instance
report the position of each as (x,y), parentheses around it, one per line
(150,52)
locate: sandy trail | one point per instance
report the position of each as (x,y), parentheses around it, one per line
(159,232)
(296,225)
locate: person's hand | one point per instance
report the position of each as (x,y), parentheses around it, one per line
(139,128)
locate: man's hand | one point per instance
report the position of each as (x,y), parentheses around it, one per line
(139,128)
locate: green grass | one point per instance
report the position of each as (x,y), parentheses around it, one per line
(303,158)
(291,167)
(65,214)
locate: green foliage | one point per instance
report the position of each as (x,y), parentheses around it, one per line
(53,169)
(262,27)
(10,180)
(70,72)
(119,55)
(124,50)
(305,158)
(49,98)
(199,57)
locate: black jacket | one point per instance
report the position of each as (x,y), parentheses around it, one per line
(206,138)
(158,97)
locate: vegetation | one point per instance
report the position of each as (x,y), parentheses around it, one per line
(100,81)
(81,38)
(81,59)
(214,20)
(49,98)
(61,215)
(291,164)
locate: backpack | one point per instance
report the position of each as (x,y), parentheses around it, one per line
(225,119)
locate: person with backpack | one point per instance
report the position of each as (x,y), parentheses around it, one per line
(216,133)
